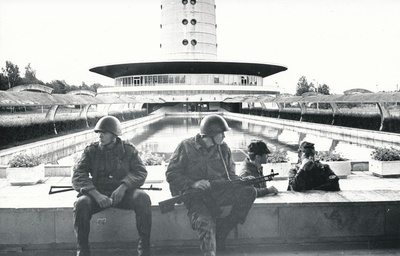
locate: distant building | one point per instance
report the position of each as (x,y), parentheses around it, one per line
(189,76)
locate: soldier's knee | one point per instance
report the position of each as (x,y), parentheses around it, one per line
(249,192)
(83,202)
(141,197)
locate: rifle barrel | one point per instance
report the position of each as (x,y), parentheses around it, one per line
(70,188)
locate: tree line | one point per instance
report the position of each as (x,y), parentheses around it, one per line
(303,86)
(11,77)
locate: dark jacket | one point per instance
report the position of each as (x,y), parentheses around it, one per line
(126,166)
(193,161)
(318,176)
(247,168)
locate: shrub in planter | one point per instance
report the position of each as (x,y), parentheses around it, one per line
(339,164)
(24,160)
(25,169)
(278,156)
(386,154)
(385,162)
(154,165)
(149,158)
(279,162)
(329,156)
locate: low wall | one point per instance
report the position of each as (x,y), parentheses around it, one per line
(63,146)
(353,135)
(290,218)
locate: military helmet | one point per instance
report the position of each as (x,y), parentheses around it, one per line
(109,124)
(258,147)
(213,124)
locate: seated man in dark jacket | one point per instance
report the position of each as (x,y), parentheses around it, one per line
(310,174)
(252,166)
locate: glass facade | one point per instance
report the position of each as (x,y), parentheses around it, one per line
(188,79)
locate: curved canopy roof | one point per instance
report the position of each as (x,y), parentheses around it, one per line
(344,98)
(188,67)
(26,98)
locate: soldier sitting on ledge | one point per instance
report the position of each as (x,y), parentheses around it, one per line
(252,166)
(310,174)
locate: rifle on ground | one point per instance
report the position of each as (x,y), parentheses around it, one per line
(168,205)
(69,188)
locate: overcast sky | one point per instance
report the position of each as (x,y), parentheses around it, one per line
(342,43)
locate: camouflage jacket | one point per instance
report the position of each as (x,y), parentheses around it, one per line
(192,161)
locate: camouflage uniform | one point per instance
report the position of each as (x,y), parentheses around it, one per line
(193,161)
(109,168)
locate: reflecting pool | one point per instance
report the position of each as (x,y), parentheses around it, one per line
(164,135)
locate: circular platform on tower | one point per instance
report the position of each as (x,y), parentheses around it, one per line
(188,67)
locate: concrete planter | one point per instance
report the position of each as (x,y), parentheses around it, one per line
(155,173)
(58,170)
(3,171)
(21,176)
(341,168)
(281,168)
(384,168)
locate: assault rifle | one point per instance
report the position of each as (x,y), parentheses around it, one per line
(168,205)
(69,188)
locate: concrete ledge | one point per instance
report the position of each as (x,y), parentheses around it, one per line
(3,171)
(367,209)
(58,170)
(288,217)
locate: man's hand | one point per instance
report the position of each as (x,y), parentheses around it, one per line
(306,164)
(201,184)
(102,200)
(246,178)
(272,190)
(118,194)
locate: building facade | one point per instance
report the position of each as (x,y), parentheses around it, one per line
(189,70)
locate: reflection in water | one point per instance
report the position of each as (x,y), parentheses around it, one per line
(164,135)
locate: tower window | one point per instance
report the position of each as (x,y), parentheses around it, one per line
(185,42)
(193,22)
(184,21)
(193,42)
(193,2)
(184,1)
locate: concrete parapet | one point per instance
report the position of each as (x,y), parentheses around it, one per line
(55,170)
(322,217)
(53,149)
(366,209)
(3,171)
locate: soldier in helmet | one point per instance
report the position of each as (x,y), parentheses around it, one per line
(310,174)
(252,166)
(199,162)
(109,174)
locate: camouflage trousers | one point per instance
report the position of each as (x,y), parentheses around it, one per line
(203,213)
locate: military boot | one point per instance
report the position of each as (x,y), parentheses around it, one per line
(144,247)
(223,228)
